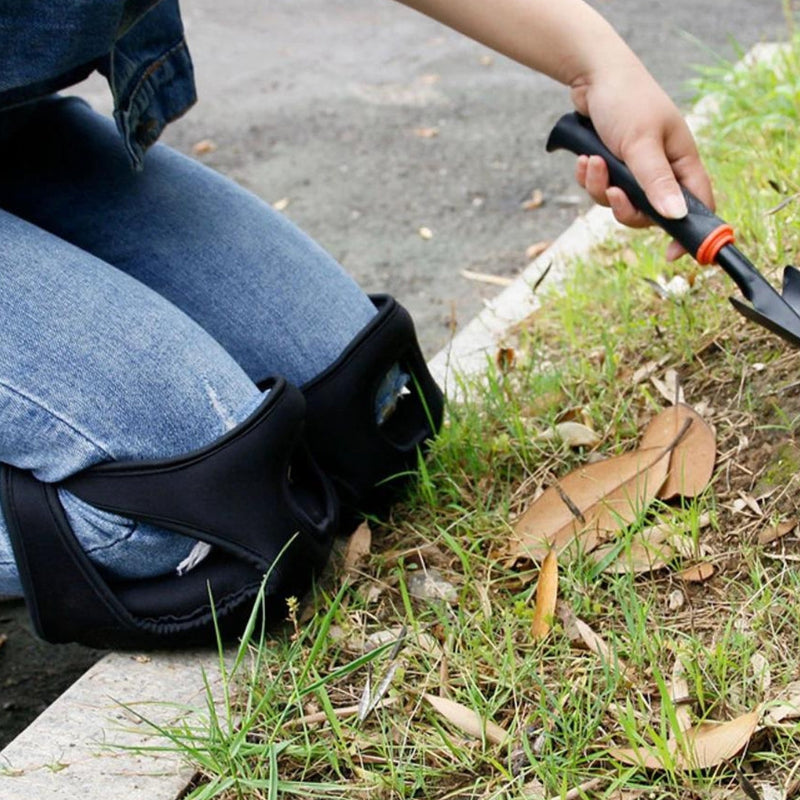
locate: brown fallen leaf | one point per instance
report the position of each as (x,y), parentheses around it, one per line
(785,706)
(536,249)
(546,594)
(701,747)
(534,790)
(466,720)
(505,359)
(775,532)
(573,434)
(579,632)
(669,387)
(699,573)
(649,369)
(649,550)
(679,694)
(590,504)
(358,548)
(204,147)
(691,463)
(534,201)
(750,502)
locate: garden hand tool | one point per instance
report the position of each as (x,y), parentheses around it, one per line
(708,238)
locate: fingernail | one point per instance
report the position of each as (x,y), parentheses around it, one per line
(674,206)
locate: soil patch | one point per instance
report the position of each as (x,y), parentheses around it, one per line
(33,673)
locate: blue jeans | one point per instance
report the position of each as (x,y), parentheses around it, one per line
(136,312)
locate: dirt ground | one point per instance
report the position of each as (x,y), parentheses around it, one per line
(32,672)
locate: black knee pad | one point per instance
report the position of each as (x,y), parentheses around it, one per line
(370,462)
(255,495)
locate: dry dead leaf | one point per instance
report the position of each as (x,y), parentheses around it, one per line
(750,502)
(534,790)
(649,369)
(430,584)
(676,600)
(761,672)
(534,201)
(485,277)
(505,359)
(775,532)
(423,641)
(691,464)
(679,694)
(466,720)
(358,548)
(649,550)
(536,249)
(704,746)
(546,594)
(573,434)
(699,573)
(590,504)
(670,387)
(578,632)
(786,706)
(204,147)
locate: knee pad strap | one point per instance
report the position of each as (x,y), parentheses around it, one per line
(254,494)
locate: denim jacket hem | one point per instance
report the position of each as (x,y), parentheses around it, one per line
(138,45)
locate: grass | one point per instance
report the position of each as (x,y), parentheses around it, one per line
(284,728)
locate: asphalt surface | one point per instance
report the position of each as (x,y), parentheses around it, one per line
(329,106)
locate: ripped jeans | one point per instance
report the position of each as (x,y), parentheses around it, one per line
(136,312)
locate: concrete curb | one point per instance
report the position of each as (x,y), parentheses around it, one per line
(466,355)
(76,747)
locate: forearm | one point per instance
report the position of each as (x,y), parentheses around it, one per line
(565,39)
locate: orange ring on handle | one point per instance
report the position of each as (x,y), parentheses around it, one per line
(713,243)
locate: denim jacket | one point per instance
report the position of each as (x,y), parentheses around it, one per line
(138,45)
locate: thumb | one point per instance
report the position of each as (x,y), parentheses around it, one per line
(648,163)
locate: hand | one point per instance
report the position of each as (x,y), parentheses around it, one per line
(640,124)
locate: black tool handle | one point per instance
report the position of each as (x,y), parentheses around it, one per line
(576,133)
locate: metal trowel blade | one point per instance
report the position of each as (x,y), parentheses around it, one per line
(760,319)
(791,287)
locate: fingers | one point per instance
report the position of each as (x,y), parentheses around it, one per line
(648,162)
(675,250)
(591,172)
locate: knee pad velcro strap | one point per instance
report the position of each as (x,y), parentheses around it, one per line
(368,461)
(254,494)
